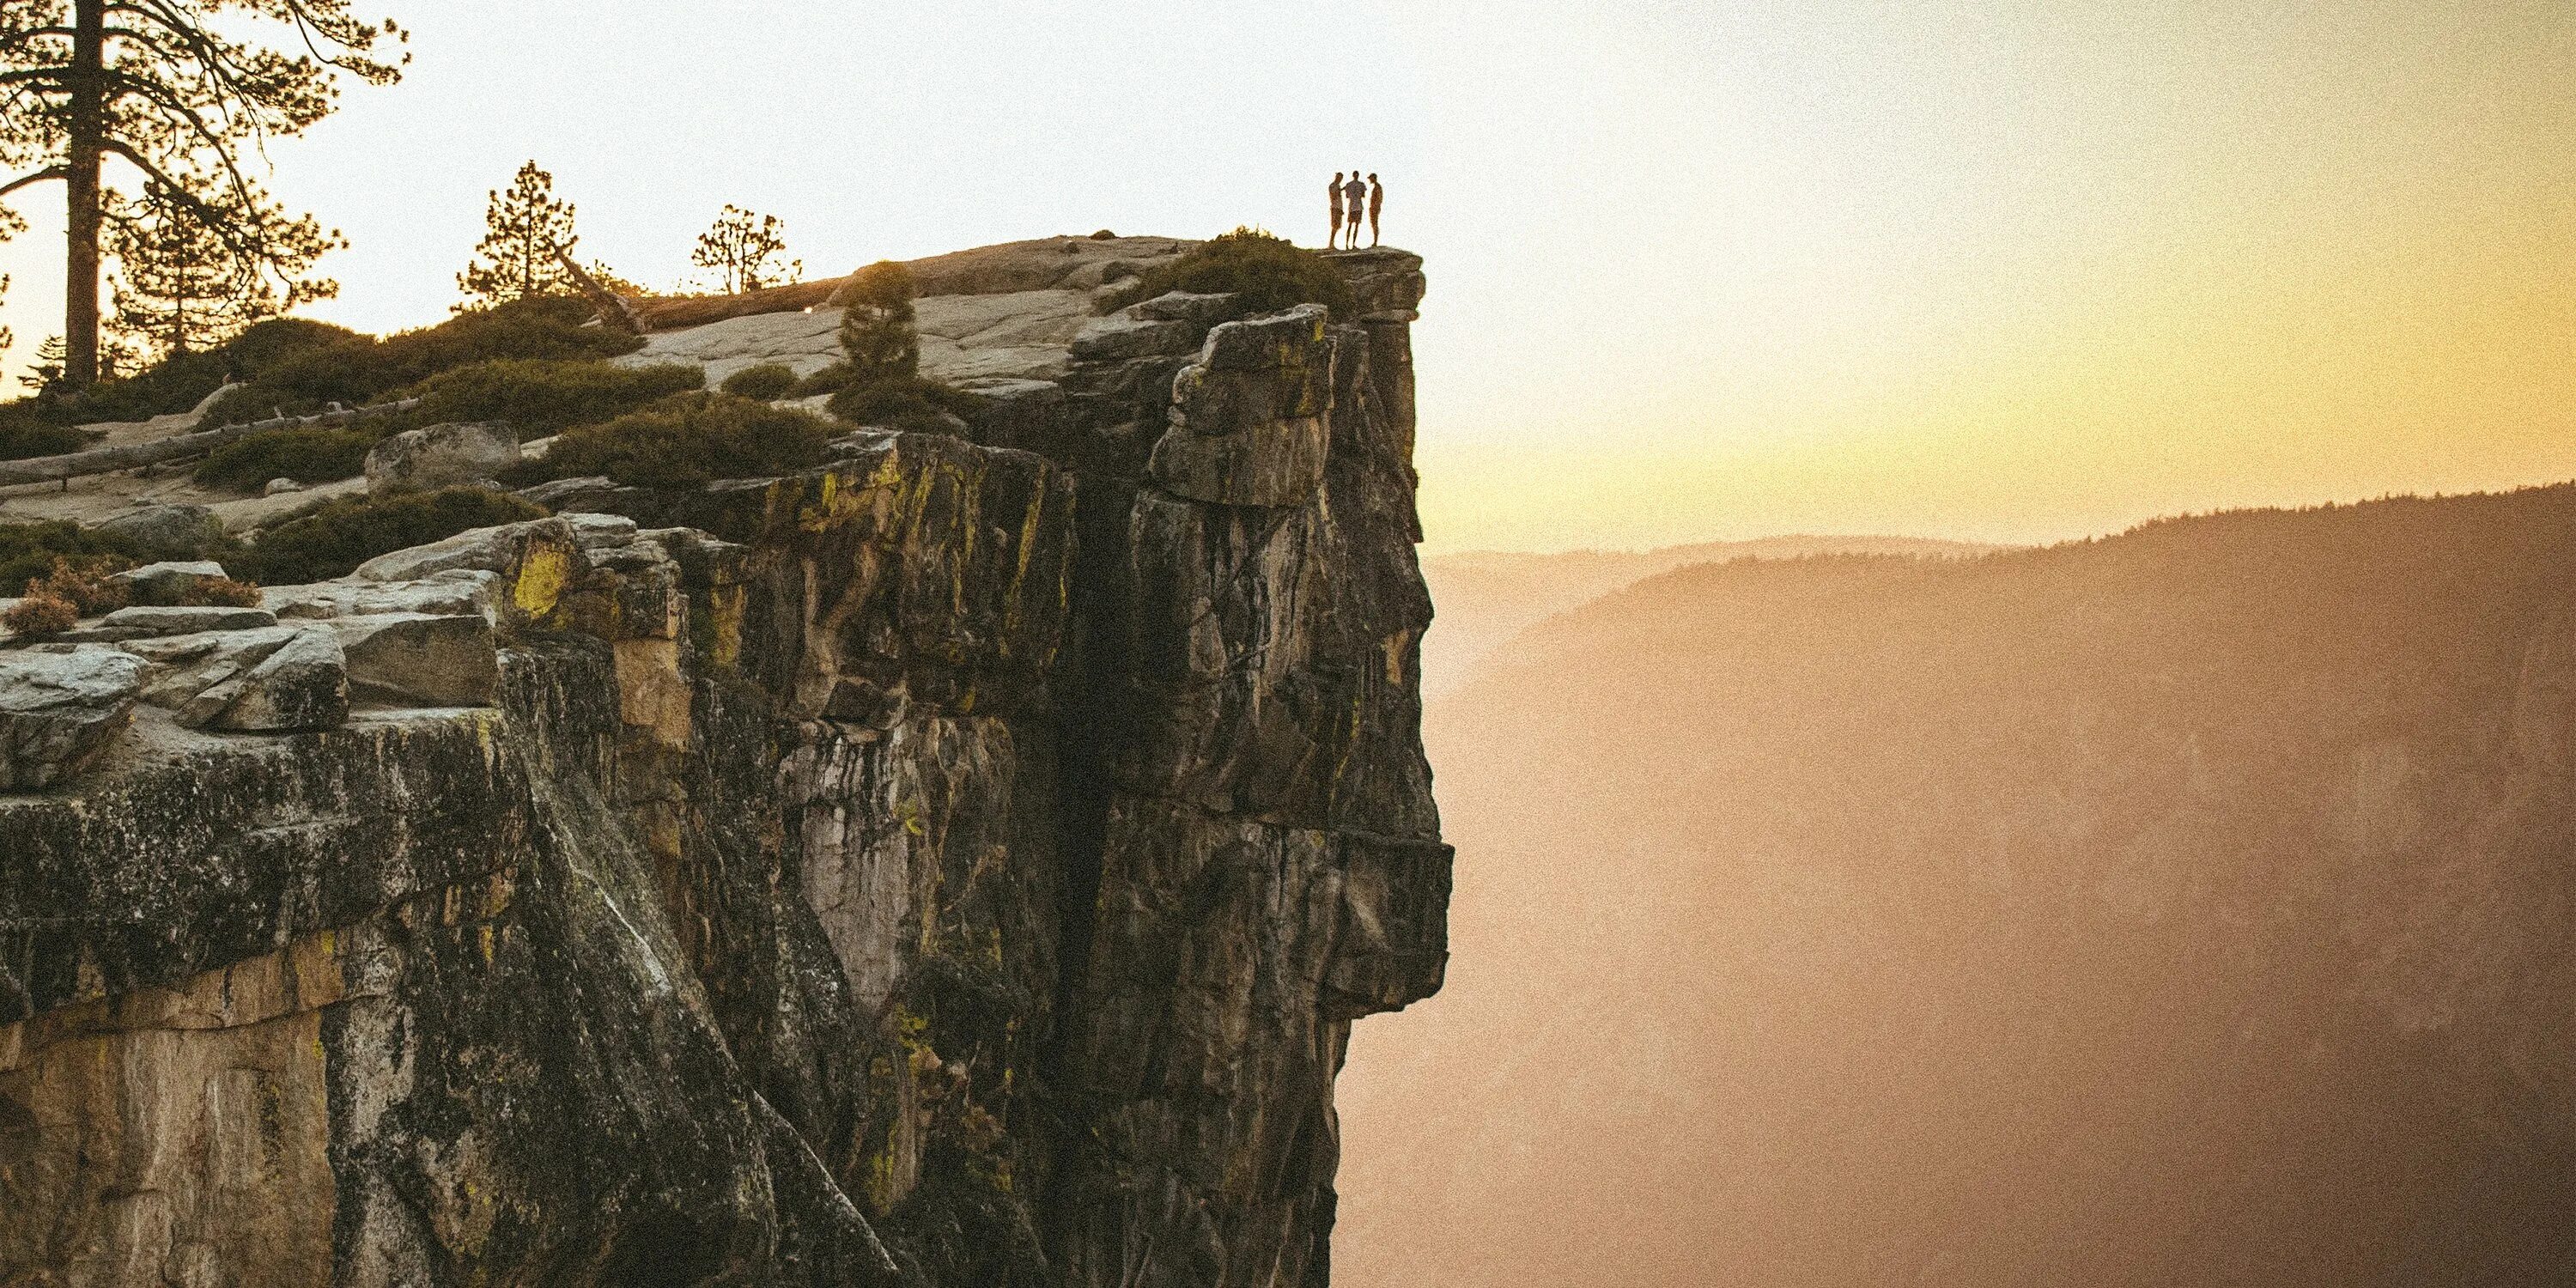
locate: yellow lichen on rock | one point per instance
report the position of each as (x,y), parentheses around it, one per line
(542,578)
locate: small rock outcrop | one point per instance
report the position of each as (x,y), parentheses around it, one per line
(957,864)
(440,456)
(168,531)
(1247,419)
(58,708)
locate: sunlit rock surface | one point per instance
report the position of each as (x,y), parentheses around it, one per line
(959,864)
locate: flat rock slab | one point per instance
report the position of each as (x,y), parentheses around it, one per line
(415,659)
(277,679)
(1012,335)
(58,708)
(185,621)
(467,590)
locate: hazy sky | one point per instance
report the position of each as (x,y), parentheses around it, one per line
(1983,269)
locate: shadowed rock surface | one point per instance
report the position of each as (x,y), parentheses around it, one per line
(959,864)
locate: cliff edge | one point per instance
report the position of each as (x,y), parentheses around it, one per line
(959,864)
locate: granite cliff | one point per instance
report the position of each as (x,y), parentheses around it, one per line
(959,864)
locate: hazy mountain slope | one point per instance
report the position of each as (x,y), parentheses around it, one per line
(2192,906)
(1486,597)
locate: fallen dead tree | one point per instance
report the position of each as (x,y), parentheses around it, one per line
(671,312)
(104,460)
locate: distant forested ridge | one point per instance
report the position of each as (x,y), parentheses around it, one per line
(2192,906)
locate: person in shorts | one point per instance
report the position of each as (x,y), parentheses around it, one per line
(1355,205)
(1377,202)
(1333,198)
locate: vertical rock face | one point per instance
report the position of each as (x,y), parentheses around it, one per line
(960,864)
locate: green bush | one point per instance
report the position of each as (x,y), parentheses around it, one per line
(767,382)
(268,345)
(30,550)
(364,370)
(307,454)
(35,426)
(877,332)
(26,432)
(903,402)
(688,440)
(1265,273)
(825,380)
(538,397)
(343,534)
(174,384)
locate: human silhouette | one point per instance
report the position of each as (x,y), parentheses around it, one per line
(1333,198)
(1355,205)
(1377,202)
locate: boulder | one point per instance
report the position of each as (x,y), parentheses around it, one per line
(1274,341)
(415,659)
(168,579)
(167,529)
(1249,418)
(442,595)
(441,456)
(276,679)
(1122,336)
(497,548)
(1194,307)
(280,487)
(58,709)
(182,621)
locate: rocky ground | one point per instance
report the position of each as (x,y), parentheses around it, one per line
(1006,312)
(960,863)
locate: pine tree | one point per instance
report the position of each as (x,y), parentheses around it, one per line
(877,324)
(178,288)
(180,92)
(744,249)
(45,375)
(523,228)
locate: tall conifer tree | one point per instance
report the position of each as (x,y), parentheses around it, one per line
(523,227)
(182,94)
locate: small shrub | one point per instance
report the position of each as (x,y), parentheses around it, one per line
(306,454)
(201,592)
(877,330)
(538,397)
(28,551)
(174,384)
(24,433)
(765,383)
(82,583)
(904,402)
(219,592)
(364,369)
(688,440)
(343,534)
(268,345)
(41,614)
(1264,273)
(825,380)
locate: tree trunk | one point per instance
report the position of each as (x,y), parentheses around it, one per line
(81,187)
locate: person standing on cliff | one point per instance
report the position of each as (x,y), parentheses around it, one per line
(1333,198)
(1355,203)
(1377,202)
